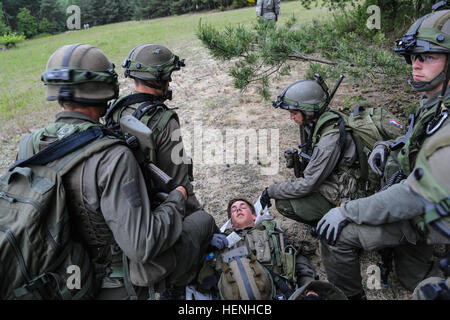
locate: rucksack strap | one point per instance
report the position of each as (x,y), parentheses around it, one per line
(60,148)
(125,102)
(342,136)
(126,279)
(146,107)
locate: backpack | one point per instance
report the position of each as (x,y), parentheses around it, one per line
(257,268)
(39,258)
(367,125)
(245,278)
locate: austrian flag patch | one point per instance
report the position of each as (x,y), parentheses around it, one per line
(396,123)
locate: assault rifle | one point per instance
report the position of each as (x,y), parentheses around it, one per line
(139,138)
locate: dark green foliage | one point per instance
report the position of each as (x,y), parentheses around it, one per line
(3,27)
(26,23)
(266,50)
(52,17)
(396,15)
(240,4)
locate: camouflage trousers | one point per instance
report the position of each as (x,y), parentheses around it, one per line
(308,210)
(411,255)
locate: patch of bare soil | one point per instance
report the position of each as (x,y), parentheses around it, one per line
(211,113)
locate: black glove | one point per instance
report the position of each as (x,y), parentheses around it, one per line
(219,241)
(265,199)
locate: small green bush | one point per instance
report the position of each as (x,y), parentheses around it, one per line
(11,39)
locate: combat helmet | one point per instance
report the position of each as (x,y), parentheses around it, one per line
(152,62)
(429,34)
(308,96)
(80,73)
(430,181)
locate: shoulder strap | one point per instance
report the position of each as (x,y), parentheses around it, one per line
(60,148)
(163,120)
(329,116)
(146,107)
(127,101)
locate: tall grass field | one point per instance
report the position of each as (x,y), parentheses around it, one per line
(22,92)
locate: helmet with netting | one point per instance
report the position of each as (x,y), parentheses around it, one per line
(80,73)
(151,62)
(307,96)
(429,34)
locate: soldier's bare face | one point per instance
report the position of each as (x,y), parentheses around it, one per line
(297,116)
(427,66)
(241,215)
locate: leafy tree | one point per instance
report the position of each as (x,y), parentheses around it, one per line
(26,23)
(45,26)
(111,11)
(52,17)
(3,27)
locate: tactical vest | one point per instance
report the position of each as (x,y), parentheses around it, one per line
(407,155)
(153,113)
(333,122)
(266,243)
(424,184)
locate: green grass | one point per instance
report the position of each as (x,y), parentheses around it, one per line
(22,92)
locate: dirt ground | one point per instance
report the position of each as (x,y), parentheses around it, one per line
(209,107)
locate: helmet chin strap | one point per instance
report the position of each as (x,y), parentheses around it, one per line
(444,77)
(420,86)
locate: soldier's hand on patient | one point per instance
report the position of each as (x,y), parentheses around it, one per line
(219,241)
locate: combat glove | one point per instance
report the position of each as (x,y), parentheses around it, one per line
(219,241)
(331,225)
(265,199)
(377,159)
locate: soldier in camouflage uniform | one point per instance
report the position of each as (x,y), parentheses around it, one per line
(282,257)
(268,9)
(395,218)
(151,67)
(330,176)
(109,206)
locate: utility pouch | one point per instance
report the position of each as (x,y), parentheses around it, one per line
(288,257)
(258,241)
